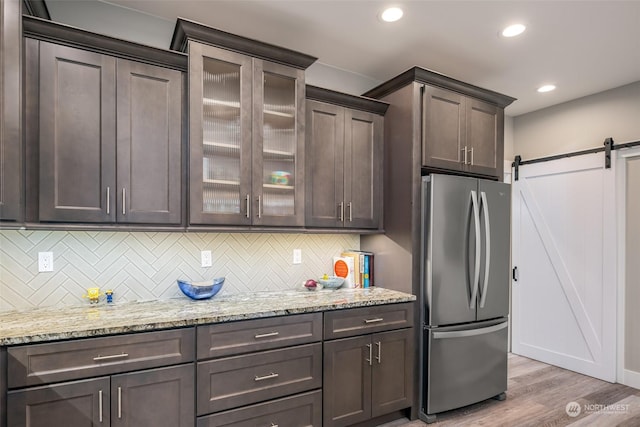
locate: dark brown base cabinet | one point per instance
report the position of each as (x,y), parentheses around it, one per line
(367,375)
(160,397)
(132,380)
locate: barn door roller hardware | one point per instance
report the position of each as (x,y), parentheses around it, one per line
(608,146)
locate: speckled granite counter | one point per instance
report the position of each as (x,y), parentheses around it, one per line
(48,324)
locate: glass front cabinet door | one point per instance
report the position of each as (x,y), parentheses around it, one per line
(246,139)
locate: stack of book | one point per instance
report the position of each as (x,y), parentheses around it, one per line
(362,271)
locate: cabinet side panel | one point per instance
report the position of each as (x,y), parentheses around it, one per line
(10,111)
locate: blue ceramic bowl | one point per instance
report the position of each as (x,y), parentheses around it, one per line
(332,282)
(201,290)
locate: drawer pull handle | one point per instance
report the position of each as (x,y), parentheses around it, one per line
(100,404)
(99,358)
(266,377)
(268,334)
(376,320)
(119,402)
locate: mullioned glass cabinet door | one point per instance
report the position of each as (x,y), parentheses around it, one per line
(278,175)
(220,136)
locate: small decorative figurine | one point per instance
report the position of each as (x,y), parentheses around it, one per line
(93,294)
(109,295)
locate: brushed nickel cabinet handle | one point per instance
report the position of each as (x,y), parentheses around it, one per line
(124,201)
(465,154)
(274,425)
(100,405)
(259,206)
(350,212)
(370,359)
(119,402)
(471,156)
(376,320)
(266,377)
(108,200)
(379,356)
(99,358)
(268,334)
(248,198)
(341,211)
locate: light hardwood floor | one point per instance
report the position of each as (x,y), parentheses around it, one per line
(538,395)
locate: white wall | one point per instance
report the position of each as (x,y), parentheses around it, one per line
(580,124)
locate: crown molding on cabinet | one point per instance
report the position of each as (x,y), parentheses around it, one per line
(42,29)
(37,8)
(422,75)
(345,100)
(186,30)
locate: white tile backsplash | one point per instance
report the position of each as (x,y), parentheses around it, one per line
(145,265)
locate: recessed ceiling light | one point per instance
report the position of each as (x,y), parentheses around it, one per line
(546,88)
(513,30)
(391,14)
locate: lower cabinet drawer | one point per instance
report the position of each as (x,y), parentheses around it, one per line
(35,364)
(301,410)
(232,382)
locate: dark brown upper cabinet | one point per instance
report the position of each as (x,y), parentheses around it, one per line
(246,122)
(109,133)
(344,160)
(461,133)
(458,127)
(11,180)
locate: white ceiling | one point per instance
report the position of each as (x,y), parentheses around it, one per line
(583,47)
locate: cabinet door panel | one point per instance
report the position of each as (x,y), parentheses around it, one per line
(443,129)
(74,404)
(77,135)
(485,134)
(363,169)
(154,398)
(149,143)
(325,164)
(347,381)
(278,144)
(220,102)
(392,371)
(10,111)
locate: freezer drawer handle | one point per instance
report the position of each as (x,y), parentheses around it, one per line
(469,333)
(376,320)
(487,246)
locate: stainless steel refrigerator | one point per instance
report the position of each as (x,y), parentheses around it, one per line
(465,291)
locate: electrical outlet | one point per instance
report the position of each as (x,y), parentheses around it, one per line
(205,259)
(297,256)
(45,261)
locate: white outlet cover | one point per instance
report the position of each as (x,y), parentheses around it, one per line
(45,261)
(297,256)
(206,259)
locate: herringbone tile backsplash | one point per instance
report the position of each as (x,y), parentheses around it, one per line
(144,266)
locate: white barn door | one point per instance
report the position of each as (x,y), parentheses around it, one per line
(564,243)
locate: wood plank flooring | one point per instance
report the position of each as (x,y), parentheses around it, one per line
(537,396)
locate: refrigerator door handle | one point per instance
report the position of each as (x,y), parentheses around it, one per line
(487,247)
(476,273)
(470,332)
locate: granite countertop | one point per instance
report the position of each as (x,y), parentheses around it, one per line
(57,323)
